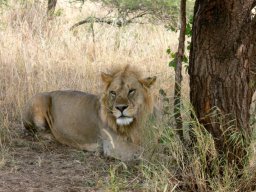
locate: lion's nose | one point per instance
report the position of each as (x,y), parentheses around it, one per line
(121,108)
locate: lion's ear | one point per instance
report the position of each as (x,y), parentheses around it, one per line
(106,78)
(148,82)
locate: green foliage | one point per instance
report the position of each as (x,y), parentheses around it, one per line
(163,11)
(156,10)
(161,6)
(188,33)
(172,55)
(3,2)
(58,12)
(173,62)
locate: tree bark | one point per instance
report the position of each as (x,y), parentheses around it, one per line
(252,59)
(51,7)
(178,70)
(221,59)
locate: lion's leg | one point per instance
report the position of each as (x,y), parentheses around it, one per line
(92,147)
(119,148)
(135,136)
(37,116)
(29,126)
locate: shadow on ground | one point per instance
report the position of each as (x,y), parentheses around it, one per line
(33,165)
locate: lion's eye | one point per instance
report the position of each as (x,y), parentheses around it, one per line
(131,91)
(112,93)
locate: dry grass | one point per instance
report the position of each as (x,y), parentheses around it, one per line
(39,55)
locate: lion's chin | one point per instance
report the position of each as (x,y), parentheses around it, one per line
(124,121)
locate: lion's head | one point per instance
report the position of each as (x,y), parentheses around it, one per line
(126,99)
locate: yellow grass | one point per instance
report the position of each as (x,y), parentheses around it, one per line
(39,55)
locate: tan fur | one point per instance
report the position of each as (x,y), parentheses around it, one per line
(133,79)
(87,122)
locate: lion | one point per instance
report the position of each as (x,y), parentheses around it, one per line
(111,122)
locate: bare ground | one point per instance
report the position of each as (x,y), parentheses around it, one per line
(45,165)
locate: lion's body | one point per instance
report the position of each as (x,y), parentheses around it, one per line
(72,116)
(87,122)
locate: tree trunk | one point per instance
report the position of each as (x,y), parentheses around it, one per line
(51,7)
(220,61)
(178,70)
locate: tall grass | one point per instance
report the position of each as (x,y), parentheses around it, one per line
(40,55)
(170,165)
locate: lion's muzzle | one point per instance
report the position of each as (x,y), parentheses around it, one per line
(122,116)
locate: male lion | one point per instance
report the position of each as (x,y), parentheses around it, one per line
(86,121)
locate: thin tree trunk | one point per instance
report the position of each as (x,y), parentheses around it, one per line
(178,70)
(51,7)
(219,71)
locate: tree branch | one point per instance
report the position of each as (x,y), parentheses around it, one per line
(110,21)
(253,4)
(137,16)
(91,20)
(178,70)
(252,60)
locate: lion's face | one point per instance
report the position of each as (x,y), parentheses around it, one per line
(126,96)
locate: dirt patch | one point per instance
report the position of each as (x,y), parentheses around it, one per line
(34,165)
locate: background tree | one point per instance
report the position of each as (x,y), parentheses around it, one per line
(221,58)
(123,12)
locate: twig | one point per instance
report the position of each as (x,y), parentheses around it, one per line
(110,21)
(91,20)
(178,70)
(137,16)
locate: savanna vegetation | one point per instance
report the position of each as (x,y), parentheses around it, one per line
(50,45)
